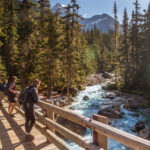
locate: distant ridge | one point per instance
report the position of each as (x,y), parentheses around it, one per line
(103,22)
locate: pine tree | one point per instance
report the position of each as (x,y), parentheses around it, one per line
(146,53)
(116,42)
(44,7)
(1,22)
(9,48)
(137,35)
(50,67)
(28,56)
(74,48)
(3,73)
(125,48)
(136,42)
(68,39)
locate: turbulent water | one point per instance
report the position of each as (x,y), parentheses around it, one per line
(95,103)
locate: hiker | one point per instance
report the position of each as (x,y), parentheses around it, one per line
(11,93)
(3,85)
(31,99)
(2,90)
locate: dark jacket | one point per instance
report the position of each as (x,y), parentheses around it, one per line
(32,98)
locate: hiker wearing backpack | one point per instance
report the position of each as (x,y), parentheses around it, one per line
(2,90)
(11,93)
(31,98)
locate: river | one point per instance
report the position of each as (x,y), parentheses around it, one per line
(95,103)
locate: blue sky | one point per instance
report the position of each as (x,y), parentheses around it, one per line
(94,7)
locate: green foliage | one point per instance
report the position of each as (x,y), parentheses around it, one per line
(36,43)
(3,73)
(9,36)
(74,52)
(1,22)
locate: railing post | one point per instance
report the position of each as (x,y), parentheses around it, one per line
(50,115)
(99,139)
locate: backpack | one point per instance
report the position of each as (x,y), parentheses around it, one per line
(6,92)
(23,96)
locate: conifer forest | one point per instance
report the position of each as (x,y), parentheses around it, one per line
(58,50)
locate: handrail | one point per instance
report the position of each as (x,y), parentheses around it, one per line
(66,132)
(125,138)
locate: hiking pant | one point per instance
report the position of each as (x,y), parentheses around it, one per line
(29,119)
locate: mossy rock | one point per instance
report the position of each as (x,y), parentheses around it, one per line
(81,87)
(110,87)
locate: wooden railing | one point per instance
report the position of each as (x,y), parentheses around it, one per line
(98,124)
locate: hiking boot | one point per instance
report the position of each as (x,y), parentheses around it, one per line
(29,138)
(32,137)
(12,115)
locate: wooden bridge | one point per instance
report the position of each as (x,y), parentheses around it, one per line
(12,131)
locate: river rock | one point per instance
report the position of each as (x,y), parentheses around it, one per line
(147,110)
(131,107)
(110,96)
(106,75)
(85,98)
(134,115)
(112,112)
(74,91)
(117,93)
(94,79)
(72,126)
(109,87)
(138,126)
(81,87)
(145,133)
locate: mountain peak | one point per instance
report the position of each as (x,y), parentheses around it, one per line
(57,7)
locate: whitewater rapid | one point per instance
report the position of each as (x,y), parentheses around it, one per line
(97,102)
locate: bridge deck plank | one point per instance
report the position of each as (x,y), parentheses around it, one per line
(12,134)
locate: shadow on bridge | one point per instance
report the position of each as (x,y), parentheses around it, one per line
(12,134)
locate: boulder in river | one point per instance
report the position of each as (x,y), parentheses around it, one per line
(74,91)
(79,129)
(85,98)
(106,75)
(142,130)
(109,87)
(112,112)
(145,133)
(138,126)
(147,110)
(94,79)
(110,96)
(131,107)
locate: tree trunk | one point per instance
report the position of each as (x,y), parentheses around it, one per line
(49,89)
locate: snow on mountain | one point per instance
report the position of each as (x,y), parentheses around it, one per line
(103,22)
(59,7)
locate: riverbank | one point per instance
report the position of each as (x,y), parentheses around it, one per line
(128,104)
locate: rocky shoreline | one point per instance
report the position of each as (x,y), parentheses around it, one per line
(100,78)
(117,101)
(62,101)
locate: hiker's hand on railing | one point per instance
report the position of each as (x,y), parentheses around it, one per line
(42,97)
